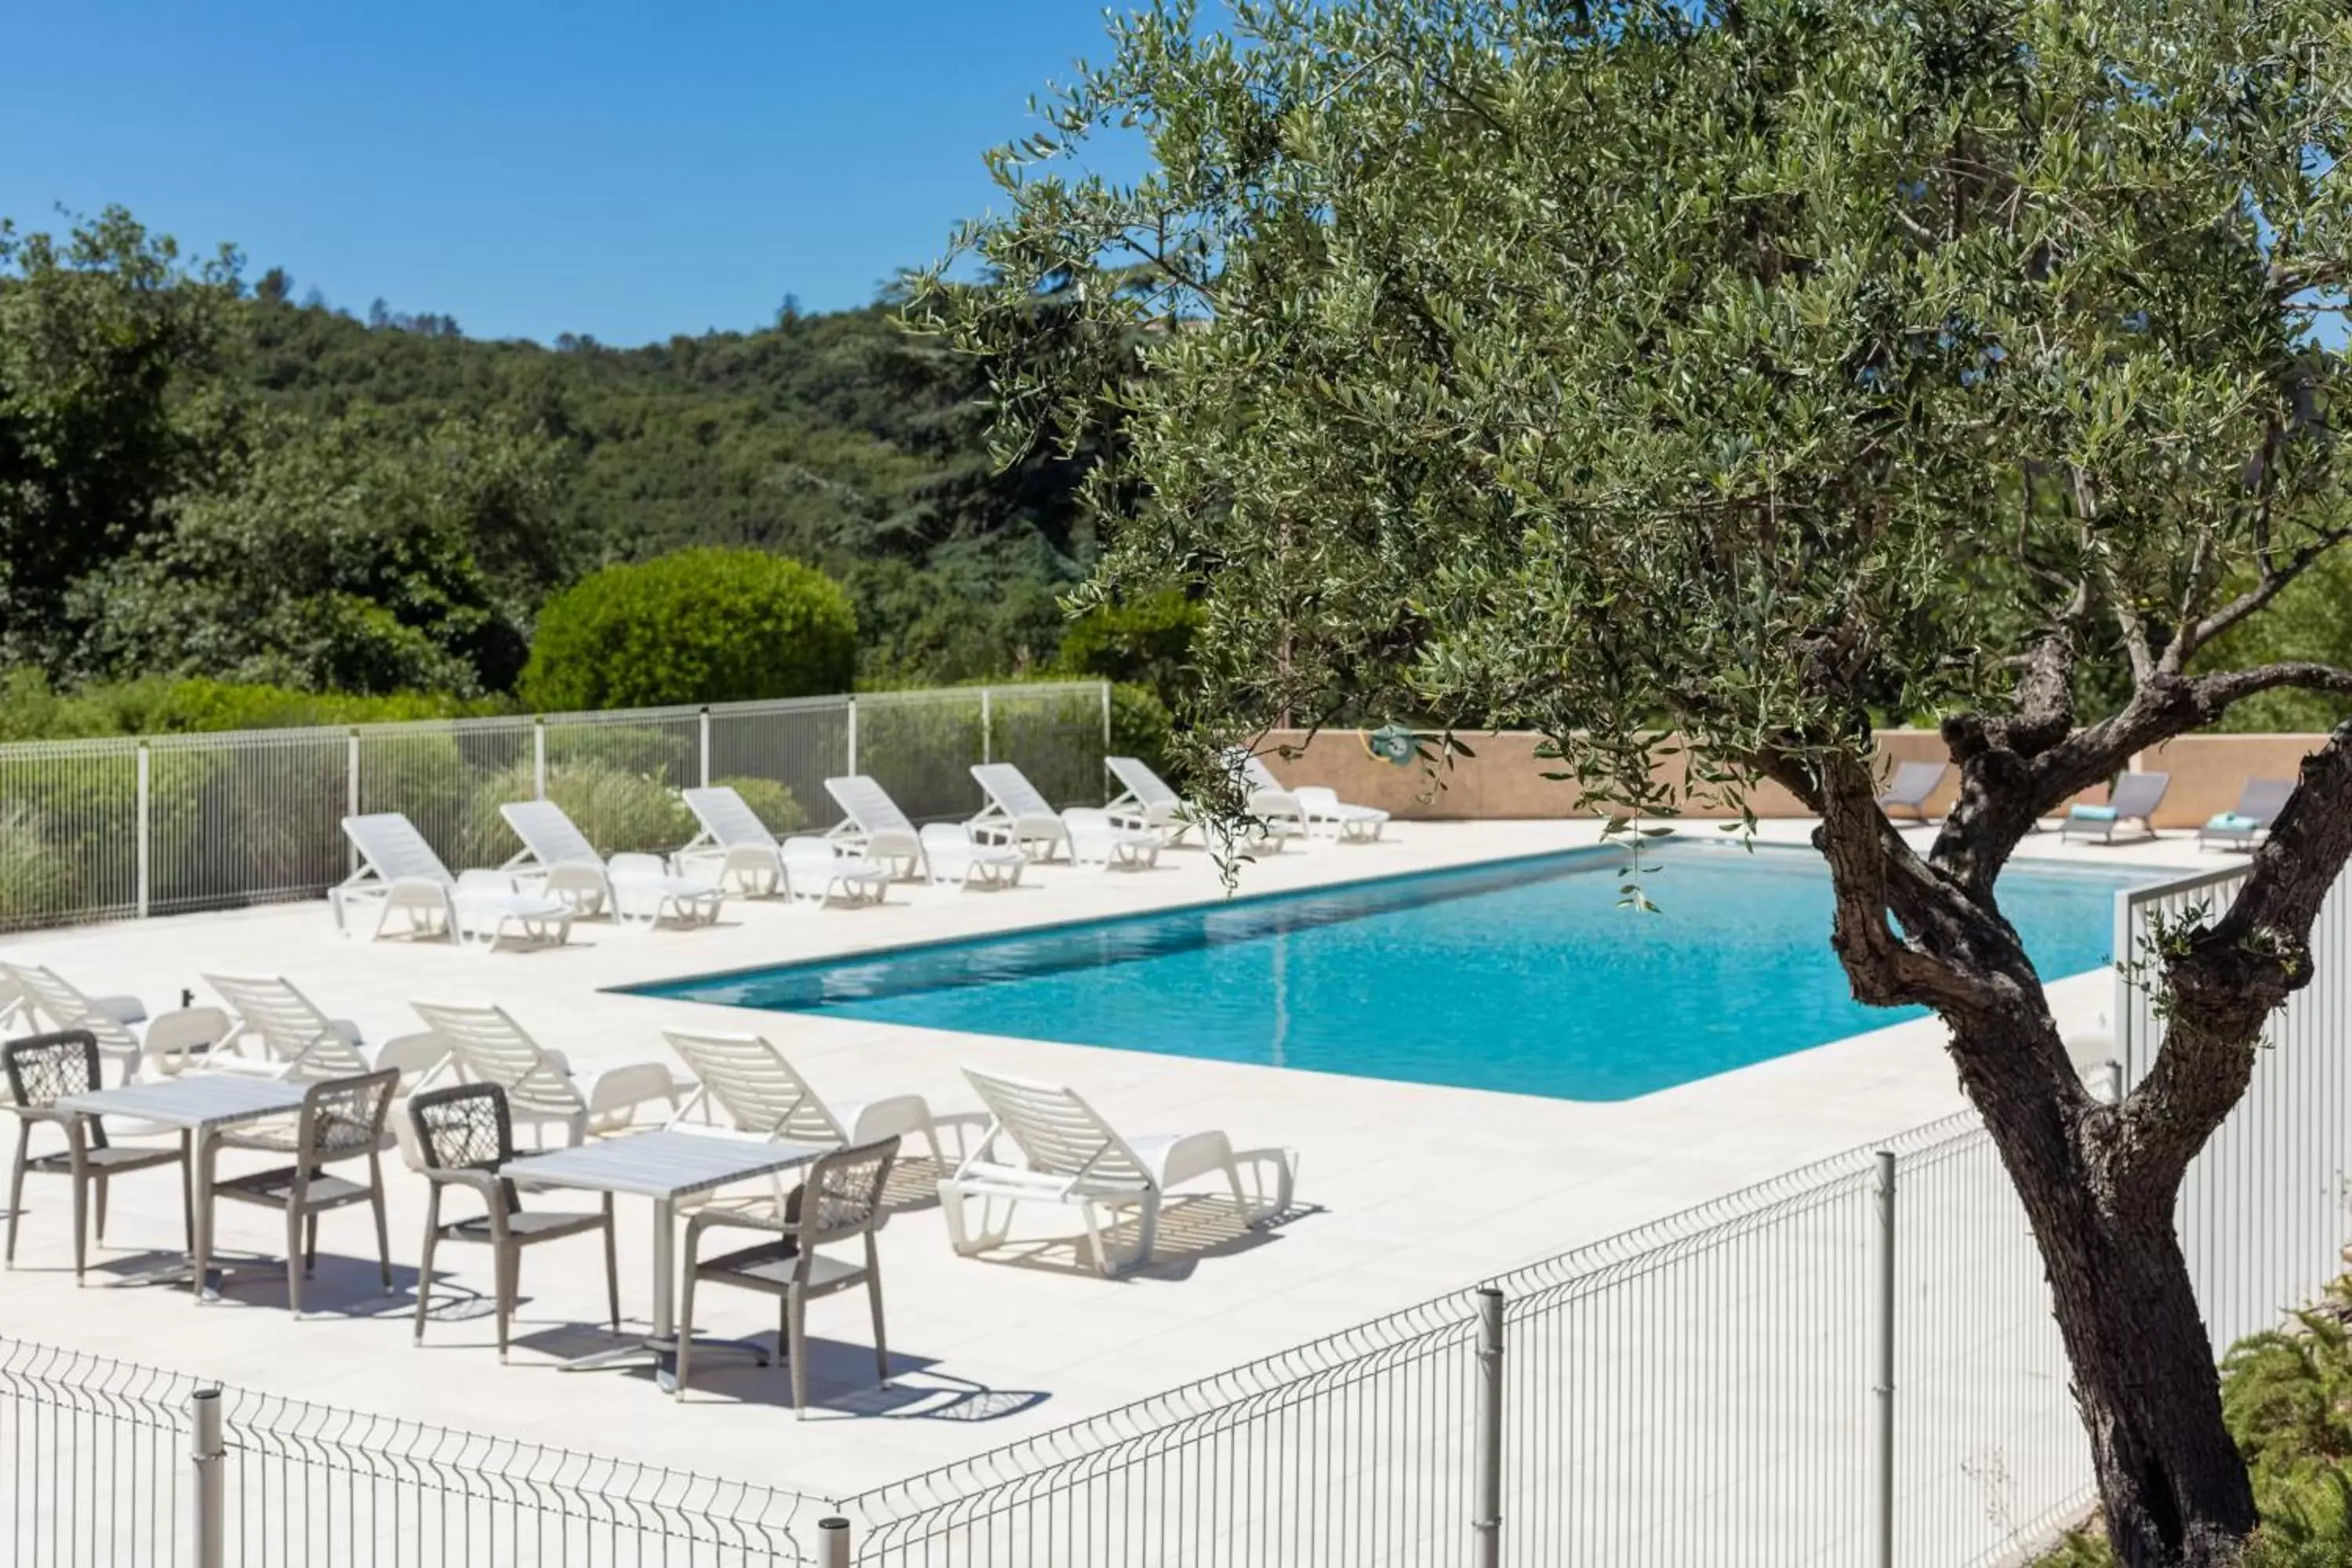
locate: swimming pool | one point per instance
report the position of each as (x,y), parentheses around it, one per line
(1519,975)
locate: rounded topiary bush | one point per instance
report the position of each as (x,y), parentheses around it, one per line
(701,626)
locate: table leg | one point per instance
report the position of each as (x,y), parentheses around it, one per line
(660,1346)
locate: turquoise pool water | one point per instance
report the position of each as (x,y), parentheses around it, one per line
(1519,975)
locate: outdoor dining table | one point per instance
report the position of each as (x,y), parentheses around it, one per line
(201,1105)
(665,1165)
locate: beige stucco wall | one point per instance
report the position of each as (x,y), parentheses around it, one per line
(1505,778)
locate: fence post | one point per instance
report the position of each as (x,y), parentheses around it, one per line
(852,703)
(1486,1526)
(1106,697)
(539,758)
(1882,1364)
(706,748)
(832,1543)
(352,797)
(987,734)
(144,829)
(205,1451)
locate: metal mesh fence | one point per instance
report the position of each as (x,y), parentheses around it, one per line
(110,828)
(100,1470)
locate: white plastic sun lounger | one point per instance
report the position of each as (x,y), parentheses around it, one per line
(763,1095)
(1146,802)
(1096,841)
(875,830)
(734,843)
(2135,798)
(35,996)
(1303,810)
(2259,803)
(814,872)
(485,1045)
(1016,815)
(1912,784)
(398,871)
(637,888)
(950,854)
(1044,1144)
(292,1038)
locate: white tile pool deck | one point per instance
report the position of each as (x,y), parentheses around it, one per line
(1406,1191)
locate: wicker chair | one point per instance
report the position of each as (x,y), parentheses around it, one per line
(840,1200)
(342,1121)
(43,1069)
(464,1134)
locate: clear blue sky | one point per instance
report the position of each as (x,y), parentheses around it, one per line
(628,171)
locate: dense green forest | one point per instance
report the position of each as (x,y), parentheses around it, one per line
(205,474)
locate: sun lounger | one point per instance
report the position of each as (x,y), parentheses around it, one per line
(1046,1144)
(398,871)
(2135,799)
(1093,840)
(1016,815)
(282,1032)
(734,843)
(637,888)
(950,854)
(1146,802)
(763,1095)
(484,1045)
(2259,803)
(814,872)
(1912,783)
(1309,806)
(875,828)
(35,998)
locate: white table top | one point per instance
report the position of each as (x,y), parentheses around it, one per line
(661,1165)
(192,1100)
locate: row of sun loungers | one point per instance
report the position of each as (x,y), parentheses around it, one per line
(559,876)
(2131,804)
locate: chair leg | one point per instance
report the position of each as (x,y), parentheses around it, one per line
(98,1211)
(874,1298)
(383,1228)
(16,1186)
(424,1268)
(796,1328)
(310,1246)
(294,1270)
(507,1264)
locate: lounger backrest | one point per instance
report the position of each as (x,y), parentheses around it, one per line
(2137,795)
(759,1091)
(548,831)
(726,818)
(1914,782)
(291,1025)
(1257,775)
(1137,779)
(394,850)
(869,804)
(1059,1133)
(492,1047)
(2263,799)
(64,1005)
(1011,790)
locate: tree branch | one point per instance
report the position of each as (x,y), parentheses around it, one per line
(2274,578)
(2226,981)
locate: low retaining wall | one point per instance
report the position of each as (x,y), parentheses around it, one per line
(1504,779)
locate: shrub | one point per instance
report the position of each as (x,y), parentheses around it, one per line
(31,710)
(621,812)
(701,626)
(1140,725)
(33,885)
(1143,642)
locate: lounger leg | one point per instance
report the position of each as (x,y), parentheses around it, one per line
(425,1267)
(1151,1237)
(1095,1242)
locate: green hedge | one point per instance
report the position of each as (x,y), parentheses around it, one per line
(701,626)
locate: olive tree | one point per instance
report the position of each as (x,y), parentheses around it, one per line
(1758,373)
